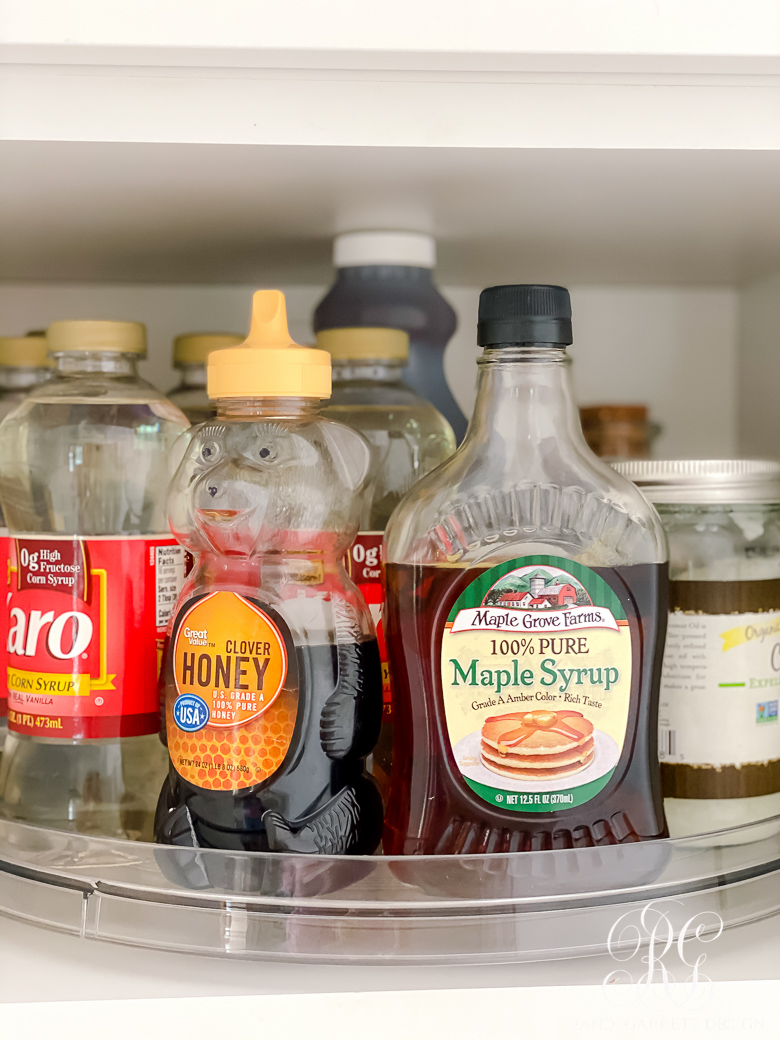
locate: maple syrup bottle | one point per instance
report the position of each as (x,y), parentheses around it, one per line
(526,613)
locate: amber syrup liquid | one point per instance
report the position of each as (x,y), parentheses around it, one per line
(431,809)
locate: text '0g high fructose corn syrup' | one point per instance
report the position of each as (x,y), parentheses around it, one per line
(526,610)
(94,574)
(273,685)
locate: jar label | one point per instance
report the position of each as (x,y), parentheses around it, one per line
(85,624)
(536,680)
(719,693)
(231,712)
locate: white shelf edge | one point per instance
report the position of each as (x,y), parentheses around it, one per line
(229,106)
(412,59)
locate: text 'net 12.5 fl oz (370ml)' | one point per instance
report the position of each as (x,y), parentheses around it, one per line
(526,598)
(92,579)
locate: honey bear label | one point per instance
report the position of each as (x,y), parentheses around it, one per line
(232,715)
(536,680)
(84,627)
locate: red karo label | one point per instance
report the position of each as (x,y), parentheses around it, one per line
(364,563)
(5,586)
(84,626)
(366,568)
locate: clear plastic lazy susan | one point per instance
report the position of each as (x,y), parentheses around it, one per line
(536,906)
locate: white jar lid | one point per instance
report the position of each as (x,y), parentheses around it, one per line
(701,481)
(404,248)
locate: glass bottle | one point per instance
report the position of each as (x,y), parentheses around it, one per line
(526,610)
(273,688)
(408,436)
(190,352)
(719,728)
(24,364)
(385,278)
(84,463)
(408,439)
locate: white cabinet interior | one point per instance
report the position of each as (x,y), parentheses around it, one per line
(161,166)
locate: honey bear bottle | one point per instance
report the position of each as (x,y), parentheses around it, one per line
(273,683)
(526,612)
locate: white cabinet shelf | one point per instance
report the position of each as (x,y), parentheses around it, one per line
(208,214)
(509,74)
(426,108)
(591,142)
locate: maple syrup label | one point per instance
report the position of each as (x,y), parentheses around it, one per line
(84,626)
(365,566)
(536,681)
(232,710)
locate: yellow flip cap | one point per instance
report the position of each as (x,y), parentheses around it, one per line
(269,363)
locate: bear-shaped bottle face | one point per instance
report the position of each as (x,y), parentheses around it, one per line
(245,488)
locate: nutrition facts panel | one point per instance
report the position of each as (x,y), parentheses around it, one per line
(170,564)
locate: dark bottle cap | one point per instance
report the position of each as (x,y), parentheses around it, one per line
(524,314)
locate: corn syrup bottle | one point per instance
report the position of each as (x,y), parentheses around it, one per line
(93,578)
(190,353)
(273,685)
(408,438)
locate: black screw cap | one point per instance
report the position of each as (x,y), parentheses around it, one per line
(512,314)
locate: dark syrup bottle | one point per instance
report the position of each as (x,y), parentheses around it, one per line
(272,677)
(526,612)
(384,279)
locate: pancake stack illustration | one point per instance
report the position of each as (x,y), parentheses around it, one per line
(537,745)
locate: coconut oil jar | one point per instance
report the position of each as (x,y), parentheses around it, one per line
(719,732)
